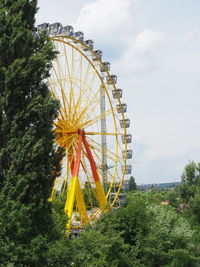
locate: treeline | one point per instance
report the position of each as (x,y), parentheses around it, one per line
(155,228)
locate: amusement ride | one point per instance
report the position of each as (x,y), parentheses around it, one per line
(91,128)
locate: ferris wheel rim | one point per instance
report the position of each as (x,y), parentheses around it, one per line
(60,39)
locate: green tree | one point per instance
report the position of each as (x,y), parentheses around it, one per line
(59,253)
(169,240)
(132,183)
(94,248)
(156,235)
(27,111)
(190,181)
(190,174)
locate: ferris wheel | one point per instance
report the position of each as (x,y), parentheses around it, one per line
(91,127)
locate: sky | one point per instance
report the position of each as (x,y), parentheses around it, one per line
(154,49)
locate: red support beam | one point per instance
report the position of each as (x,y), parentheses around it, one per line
(91,159)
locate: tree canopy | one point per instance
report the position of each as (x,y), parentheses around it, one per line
(132,183)
(27,111)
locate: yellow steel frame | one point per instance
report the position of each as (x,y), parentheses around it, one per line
(73,118)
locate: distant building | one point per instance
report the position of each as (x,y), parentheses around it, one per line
(158,186)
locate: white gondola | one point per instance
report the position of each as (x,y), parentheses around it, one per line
(105,67)
(128,169)
(127,138)
(42,27)
(78,36)
(54,28)
(66,30)
(111,79)
(90,44)
(128,153)
(125,123)
(121,108)
(117,93)
(99,55)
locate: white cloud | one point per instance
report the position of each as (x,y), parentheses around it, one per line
(147,39)
(59,11)
(140,53)
(163,104)
(106,21)
(158,72)
(193,35)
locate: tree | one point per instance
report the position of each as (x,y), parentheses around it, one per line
(190,181)
(169,240)
(27,111)
(190,174)
(156,235)
(93,248)
(132,183)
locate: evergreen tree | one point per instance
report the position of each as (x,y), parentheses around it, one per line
(190,181)
(132,183)
(27,111)
(190,174)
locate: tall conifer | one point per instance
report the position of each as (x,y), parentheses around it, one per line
(27,111)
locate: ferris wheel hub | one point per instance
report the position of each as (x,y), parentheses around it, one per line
(81,132)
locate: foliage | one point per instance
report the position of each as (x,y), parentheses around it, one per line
(132,183)
(156,235)
(169,235)
(189,191)
(191,173)
(89,196)
(190,181)
(93,248)
(26,139)
(142,233)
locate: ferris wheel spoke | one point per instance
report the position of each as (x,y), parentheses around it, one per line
(102,133)
(83,86)
(90,104)
(57,125)
(60,80)
(93,74)
(64,99)
(85,110)
(80,71)
(97,118)
(96,95)
(69,76)
(107,151)
(59,68)
(89,66)
(71,95)
(61,111)
(105,154)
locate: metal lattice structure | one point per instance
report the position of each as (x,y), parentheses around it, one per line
(91,127)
